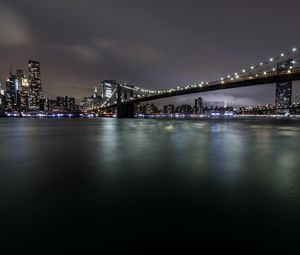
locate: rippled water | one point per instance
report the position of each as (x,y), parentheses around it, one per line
(88,183)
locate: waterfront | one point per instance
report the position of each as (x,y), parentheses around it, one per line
(91,182)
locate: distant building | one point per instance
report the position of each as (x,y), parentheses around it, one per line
(87,103)
(184,109)
(23,90)
(147,109)
(283,99)
(35,85)
(12,92)
(169,109)
(52,104)
(23,102)
(66,103)
(45,104)
(70,103)
(2,98)
(107,88)
(198,108)
(96,100)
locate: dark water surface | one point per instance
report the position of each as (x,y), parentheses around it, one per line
(78,183)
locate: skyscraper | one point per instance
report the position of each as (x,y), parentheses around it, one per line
(35,85)
(12,92)
(283,98)
(23,91)
(199,105)
(107,88)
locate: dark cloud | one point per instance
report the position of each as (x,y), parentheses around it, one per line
(153,44)
(13,28)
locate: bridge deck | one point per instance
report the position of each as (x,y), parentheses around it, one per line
(218,85)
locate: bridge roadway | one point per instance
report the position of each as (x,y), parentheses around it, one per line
(271,77)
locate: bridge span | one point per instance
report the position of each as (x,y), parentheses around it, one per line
(281,70)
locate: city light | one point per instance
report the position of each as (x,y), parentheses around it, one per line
(144,93)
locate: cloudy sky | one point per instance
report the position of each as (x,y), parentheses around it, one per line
(152,44)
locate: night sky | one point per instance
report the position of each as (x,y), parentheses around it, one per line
(151,44)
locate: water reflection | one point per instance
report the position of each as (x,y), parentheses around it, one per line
(121,174)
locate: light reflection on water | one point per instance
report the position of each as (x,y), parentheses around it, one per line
(241,170)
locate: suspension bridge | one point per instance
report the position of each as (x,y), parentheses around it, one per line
(281,70)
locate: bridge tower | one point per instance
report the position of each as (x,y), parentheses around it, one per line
(124,109)
(283,98)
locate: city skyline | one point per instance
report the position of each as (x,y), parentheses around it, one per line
(75,60)
(31,92)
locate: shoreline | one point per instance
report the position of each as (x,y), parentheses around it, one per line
(180,117)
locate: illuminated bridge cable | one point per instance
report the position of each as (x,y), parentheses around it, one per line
(112,94)
(261,70)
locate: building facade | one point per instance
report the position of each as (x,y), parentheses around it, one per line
(35,85)
(66,103)
(12,93)
(23,91)
(283,98)
(107,88)
(198,108)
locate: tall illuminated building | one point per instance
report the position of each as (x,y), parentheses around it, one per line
(283,99)
(107,88)
(35,85)
(23,91)
(12,93)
